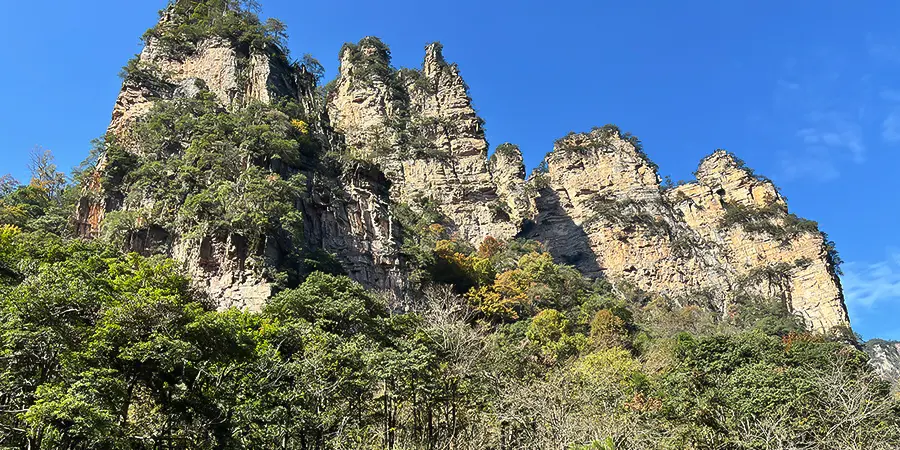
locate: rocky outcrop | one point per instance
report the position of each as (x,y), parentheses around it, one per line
(599,206)
(386,137)
(601,193)
(508,171)
(884,357)
(346,214)
(355,223)
(811,287)
(621,224)
(421,128)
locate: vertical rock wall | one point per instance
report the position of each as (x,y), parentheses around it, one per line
(408,135)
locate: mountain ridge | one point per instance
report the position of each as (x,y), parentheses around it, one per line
(265,262)
(598,204)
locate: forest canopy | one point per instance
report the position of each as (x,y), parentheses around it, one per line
(504,349)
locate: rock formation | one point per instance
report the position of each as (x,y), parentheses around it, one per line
(421,128)
(345,213)
(412,135)
(885,358)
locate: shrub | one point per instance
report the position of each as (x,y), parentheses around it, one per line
(547,326)
(192,21)
(371,58)
(608,330)
(772,219)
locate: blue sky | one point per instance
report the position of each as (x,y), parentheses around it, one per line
(807,92)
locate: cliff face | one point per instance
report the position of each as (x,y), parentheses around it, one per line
(885,358)
(751,247)
(406,136)
(345,212)
(421,128)
(599,207)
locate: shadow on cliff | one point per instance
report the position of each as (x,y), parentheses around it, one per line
(563,238)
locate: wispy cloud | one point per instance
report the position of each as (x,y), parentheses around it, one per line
(837,106)
(866,285)
(834,130)
(890,128)
(882,50)
(809,163)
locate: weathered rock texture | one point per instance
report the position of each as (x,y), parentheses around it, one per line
(808,281)
(412,135)
(420,126)
(599,207)
(884,356)
(346,214)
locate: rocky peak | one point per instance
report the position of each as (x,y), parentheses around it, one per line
(420,128)
(507,164)
(728,176)
(434,59)
(237,74)
(746,217)
(405,135)
(604,163)
(234,268)
(601,209)
(367,57)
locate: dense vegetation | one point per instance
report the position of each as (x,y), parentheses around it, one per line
(190,22)
(502,349)
(498,347)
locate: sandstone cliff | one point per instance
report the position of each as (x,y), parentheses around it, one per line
(421,128)
(345,212)
(599,207)
(384,137)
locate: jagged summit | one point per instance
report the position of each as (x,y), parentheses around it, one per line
(383,140)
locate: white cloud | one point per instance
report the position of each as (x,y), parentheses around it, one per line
(868,284)
(836,131)
(890,128)
(811,162)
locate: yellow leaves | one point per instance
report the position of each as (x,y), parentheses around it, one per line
(513,283)
(300,126)
(482,269)
(492,304)
(479,270)
(12,213)
(7,233)
(547,326)
(609,367)
(445,248)
(501,301)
